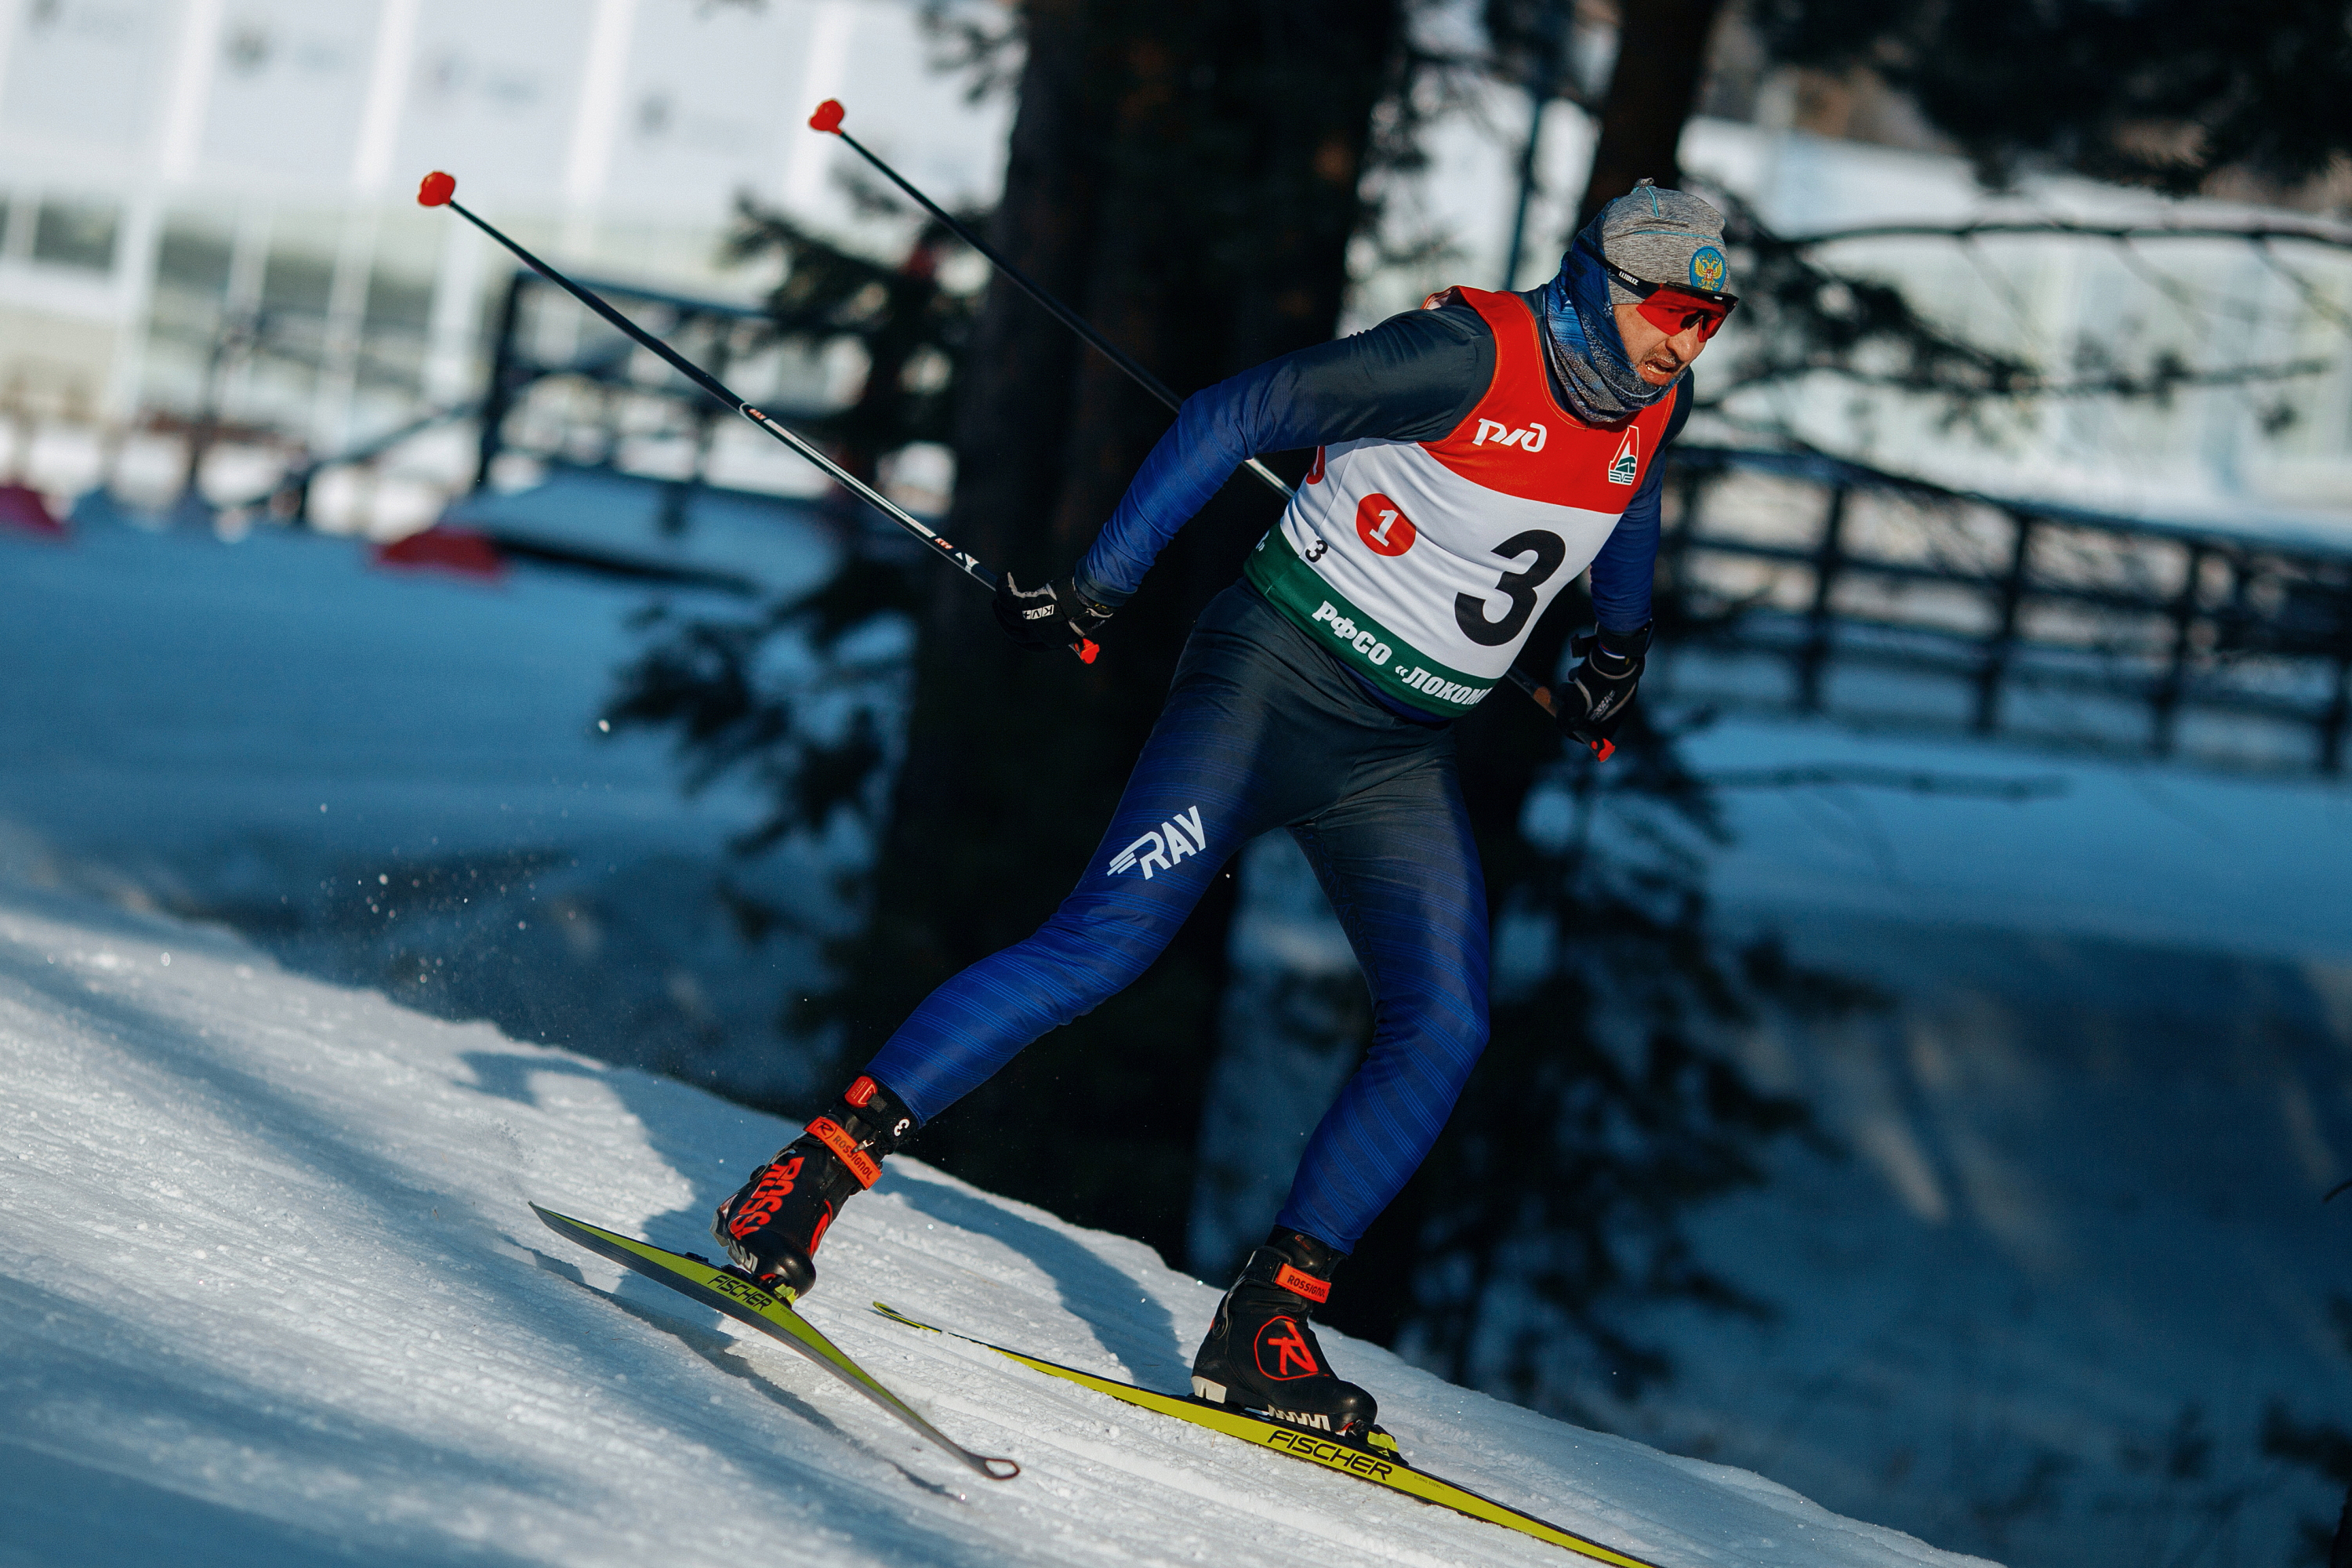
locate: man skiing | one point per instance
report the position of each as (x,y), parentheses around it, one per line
(1471,457)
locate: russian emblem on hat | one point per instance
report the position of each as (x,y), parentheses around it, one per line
(1707,268)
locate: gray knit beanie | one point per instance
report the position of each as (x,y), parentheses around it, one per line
(1664,237)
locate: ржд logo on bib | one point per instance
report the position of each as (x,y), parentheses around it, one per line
(1531,439)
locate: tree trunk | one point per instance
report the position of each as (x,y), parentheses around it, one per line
(1186,177)
(1504,745)
(1661,58)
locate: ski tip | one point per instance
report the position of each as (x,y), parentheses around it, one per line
(1604,749)
(437,189)
(563,1224)
(895,1316)
(1086,648)
(989,1467)
(828,116)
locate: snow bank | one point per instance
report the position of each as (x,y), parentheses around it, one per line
(397,780)
(270,1291)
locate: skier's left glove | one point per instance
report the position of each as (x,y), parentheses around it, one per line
(1049,617)
(1593,700)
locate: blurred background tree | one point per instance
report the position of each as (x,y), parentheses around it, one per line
(2169,93)
(1192,182)
(1190,178)
(816,748)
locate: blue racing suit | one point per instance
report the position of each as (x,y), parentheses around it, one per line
(1263,727)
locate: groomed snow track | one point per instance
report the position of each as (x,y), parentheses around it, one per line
(270,1293)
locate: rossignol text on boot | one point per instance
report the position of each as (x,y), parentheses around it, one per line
(772,1225)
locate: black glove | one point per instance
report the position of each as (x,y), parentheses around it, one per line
(1049,617)
(1593,700)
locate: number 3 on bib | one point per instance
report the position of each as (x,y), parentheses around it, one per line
(1470,609)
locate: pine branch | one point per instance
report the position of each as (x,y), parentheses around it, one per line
(2261,233)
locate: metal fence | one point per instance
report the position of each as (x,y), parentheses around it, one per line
(1823,586)
(567,390)
(1810,584)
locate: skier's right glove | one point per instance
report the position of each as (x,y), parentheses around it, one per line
(1593,700)
(1049,617)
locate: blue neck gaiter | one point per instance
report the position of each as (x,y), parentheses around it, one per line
(1587,355)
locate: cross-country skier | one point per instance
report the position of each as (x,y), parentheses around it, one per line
(1472,458)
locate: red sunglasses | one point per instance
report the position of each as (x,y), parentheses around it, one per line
(1675,307)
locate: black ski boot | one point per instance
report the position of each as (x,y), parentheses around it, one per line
(772,1225)
(1261,1355)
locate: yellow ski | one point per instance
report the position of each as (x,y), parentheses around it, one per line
(736,1295)
(1382,1465)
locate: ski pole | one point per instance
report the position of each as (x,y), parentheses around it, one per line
(828,118)
(439,190)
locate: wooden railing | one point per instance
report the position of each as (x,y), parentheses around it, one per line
(598,386)
(1879,599)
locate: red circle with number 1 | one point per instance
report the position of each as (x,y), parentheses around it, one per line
(1385,530)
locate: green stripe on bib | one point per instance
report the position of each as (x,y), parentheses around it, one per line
(1388,661)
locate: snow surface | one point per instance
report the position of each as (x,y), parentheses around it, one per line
(256,732)
(2071,1252)
(270,1292)
(2118,1005)
(2074,1257)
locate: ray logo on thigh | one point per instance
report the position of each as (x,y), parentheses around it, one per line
(1178,836)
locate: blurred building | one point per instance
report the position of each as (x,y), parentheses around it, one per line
(209,203)
(209,224)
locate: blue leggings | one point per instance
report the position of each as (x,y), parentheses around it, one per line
(1262,729)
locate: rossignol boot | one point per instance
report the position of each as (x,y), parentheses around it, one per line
(1260,1354)
(772,1225)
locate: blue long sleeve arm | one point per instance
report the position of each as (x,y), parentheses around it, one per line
(1414,377)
